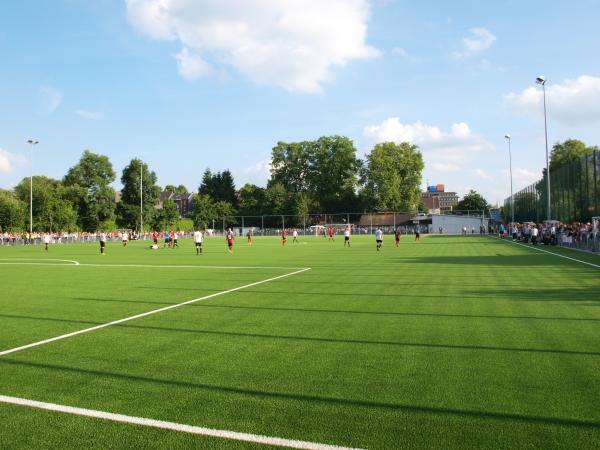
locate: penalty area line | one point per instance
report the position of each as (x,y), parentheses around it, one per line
(172,426)
(148,313)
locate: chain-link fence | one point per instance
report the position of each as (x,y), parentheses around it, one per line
(574,194)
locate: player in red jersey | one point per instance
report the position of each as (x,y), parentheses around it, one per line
(155,237)
(284,237)
(397,236)
(230,237)
(330,233)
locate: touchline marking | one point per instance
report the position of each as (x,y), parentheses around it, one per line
(148,313)
(551,253)
(173,426)
(151,266)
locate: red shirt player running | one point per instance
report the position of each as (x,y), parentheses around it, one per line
(229,237)
(397,236)
(284,237)
(330,232)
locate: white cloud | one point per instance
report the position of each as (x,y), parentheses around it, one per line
(482,174)
(91,115)
(445,167)
(258,173)
(399,51)
(522,177)
(572,102)
(8,161)
(51,98)
(443,151)
(478,40)
(294,44)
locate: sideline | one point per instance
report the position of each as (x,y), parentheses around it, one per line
(223,434)
(550,253)
(148,313)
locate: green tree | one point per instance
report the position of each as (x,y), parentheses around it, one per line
(304,204)
(180,190)
(392,177)
(290,165)
(167,217)
(564,153)
(204,212)
(327,169)
(473,201)
(333,173)
(88,187)
(219,186)
(13,212)
(251,200)
(128,209)
(52,209)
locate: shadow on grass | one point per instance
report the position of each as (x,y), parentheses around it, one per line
(284,396)
(329,340)
(568,295)
(529,260)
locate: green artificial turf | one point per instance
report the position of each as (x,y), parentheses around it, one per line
(451,342)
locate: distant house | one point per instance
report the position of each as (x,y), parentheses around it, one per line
(184,202)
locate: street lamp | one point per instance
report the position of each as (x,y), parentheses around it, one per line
(542,81)
(512,198)
(31,142)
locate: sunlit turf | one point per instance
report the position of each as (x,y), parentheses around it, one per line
(451,342)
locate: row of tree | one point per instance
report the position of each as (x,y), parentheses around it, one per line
(85,200)
(324,175)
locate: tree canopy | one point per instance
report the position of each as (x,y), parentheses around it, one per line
(564,153)
(473,201)
(392,177)
(88,187)
(128,209)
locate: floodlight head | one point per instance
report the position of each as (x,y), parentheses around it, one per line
(507,136)
(32,141)
(541,80)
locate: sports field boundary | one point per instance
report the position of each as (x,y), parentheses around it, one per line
(172,426)
(147,313)
(531,247)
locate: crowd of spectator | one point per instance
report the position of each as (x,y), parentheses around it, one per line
(574,235)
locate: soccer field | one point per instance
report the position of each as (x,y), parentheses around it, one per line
(450,342)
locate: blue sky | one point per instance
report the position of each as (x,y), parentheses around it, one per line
(190,84)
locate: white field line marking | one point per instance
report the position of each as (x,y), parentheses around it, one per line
(148,313)
(223,434)
(551,253)
(157,266)
(23,261)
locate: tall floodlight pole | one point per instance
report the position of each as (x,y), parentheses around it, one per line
(512,198)
(31,143)
(542,80)
(141,199)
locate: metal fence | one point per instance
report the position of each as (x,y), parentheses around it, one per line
(574,194)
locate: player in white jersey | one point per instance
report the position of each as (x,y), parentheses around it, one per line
(347,236)
(102,242)
(378,238)
(295,236)
(198,241)
(46,240)
(125,238)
